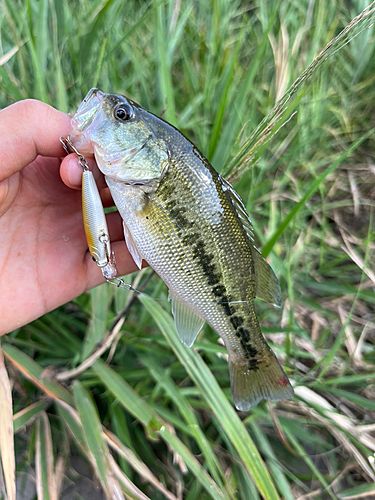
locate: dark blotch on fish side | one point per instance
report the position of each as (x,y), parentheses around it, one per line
(244,333)
(177,213)
(208,268)
(253,364)
(190,238)
(225,303)
(236,321)
(205,260)
(180,218)
(198,249)
(213,278)
(250,354)
(251,350)
(219,290)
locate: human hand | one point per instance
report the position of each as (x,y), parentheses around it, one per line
(43,251)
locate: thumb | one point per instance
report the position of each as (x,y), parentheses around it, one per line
(27,129)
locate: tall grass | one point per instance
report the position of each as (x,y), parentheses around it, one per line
(151,418)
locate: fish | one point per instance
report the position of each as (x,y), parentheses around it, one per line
(189,224)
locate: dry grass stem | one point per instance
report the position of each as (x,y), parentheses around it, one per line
(6,431)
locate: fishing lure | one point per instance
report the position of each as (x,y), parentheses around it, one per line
(94,221)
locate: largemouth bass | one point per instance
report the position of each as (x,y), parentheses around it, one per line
(192,228)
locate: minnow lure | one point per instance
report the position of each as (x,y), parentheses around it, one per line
(94,220)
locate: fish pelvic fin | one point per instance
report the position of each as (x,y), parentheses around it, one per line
(251,383)
(132,247)
(188,323)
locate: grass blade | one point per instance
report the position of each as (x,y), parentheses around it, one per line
(314,186)
(164,66)
(140,467)
(125,394)
(6,57)
(272,462)
(277,115)
(45,476)
(130,400)
(92,433)
(100,299)
(31,370)
(216,400)
(27,415)
(309,462)
(71,418)
(161,377)
(128,487)
(199,472)
(6,432)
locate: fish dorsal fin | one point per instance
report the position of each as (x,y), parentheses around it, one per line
(133,250)
(267,284)
(188,323)
(240,209)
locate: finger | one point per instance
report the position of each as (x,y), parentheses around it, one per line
(71,172)
(27,129)
(107,199)
(71,175)
(115,227)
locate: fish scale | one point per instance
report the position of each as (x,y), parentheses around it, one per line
(193,230)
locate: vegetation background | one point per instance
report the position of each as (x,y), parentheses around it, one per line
(152,418)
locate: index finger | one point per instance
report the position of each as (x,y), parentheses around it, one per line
(27,129)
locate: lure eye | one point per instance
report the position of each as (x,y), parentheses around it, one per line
(123,112)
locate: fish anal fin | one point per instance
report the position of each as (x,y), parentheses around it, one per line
(267,284)
(188,323)
(132,247)
(268,381)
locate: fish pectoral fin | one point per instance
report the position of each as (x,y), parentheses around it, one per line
(267,284)
(132,247)
(188,323)
(251,383)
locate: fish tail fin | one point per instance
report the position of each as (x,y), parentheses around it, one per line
(252,382)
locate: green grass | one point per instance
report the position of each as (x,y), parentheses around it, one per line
(151,417)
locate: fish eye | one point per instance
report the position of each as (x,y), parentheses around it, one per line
(123,112)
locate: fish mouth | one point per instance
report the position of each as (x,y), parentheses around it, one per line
(83,118)
(87,109)
(93,92)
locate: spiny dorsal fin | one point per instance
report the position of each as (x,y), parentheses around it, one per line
(267,284)
(188,323)
(240,209)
